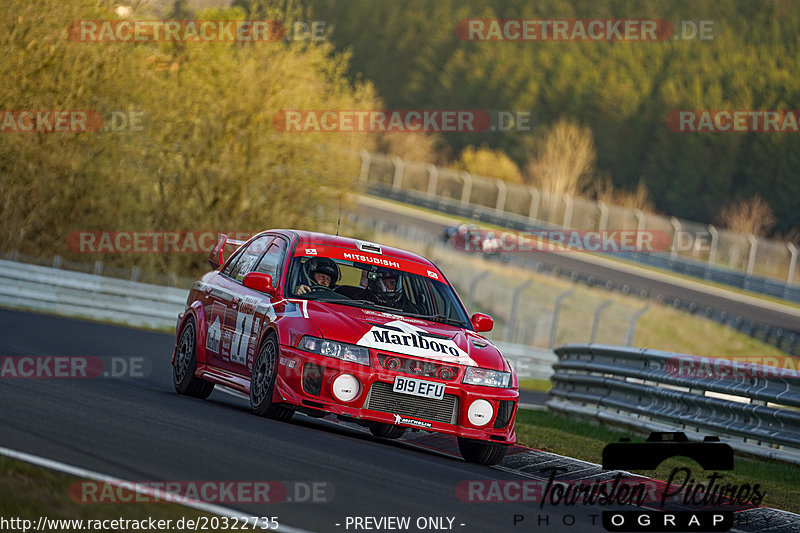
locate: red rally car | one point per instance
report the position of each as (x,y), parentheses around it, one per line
(323,324)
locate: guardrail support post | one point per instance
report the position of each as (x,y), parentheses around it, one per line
(536,198)
(473,285)
(512,317)
(753,247)
(366,160)
(556,311)
(134,273)
(603,222)
(676,227)
(466,190)
(792,262)
(567,211)
(628,341)
(399,168)
(641,219)
(712,252)
(57,261)
(502,192)
(433,179)
(596,319)
(98,268)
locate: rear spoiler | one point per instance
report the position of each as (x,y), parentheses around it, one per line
(215,258)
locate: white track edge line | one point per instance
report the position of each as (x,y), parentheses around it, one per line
(96,476)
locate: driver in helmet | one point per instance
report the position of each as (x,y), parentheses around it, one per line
(321,273)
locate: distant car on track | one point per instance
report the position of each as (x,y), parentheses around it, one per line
(469,238)
(323,324)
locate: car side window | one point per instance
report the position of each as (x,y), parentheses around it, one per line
(245,261)
(273,260)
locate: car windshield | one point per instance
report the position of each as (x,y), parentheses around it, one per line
(380,288)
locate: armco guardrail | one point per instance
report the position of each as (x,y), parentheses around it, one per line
(751,407)
(53,290)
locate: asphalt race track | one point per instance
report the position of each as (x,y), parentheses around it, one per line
(764,314)
(137,428)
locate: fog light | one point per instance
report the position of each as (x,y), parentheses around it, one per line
(480,413)
(346,388)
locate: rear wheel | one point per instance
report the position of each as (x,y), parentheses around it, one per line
(387,431)
(185,364)
(262,382)
(481,452)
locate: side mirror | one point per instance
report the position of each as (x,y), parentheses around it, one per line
(482,322)
(258,281)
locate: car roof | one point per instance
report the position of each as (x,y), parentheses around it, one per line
(325,239)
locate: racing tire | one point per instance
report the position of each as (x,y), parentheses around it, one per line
(262,382)
(185,364)
(386,431)
(480,452)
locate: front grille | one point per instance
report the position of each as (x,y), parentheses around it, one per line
(417,368)
(504,414)
(381,398)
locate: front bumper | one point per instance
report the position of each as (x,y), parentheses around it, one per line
(306,380)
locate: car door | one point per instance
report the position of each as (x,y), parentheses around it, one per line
(251,316)
(228,315)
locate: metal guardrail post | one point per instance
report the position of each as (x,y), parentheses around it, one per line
(712,252)
(603,222)
(98,268)
(792,262)
(556,311)
(502,192)
(512,317)
(473,285)
(676,227)
(433,179)
(366,161)
(567,211)
(399,169)
(466,190)
(57,261)
(596,319)
(628,340)
(752,258)
(536,199)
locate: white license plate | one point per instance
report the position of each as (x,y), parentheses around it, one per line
(418,387)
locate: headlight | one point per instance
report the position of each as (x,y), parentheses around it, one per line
(337,350)
(488,378)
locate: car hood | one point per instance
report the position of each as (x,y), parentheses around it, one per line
(404,335)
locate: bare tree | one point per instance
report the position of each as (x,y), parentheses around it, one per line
(565,161)
(750,215)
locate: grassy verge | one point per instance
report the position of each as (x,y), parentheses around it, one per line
(581,440)
(31,492)
(539,385)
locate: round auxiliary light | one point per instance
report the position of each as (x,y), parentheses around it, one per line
(346,387)
(391,363)
(480,412)
(446,373)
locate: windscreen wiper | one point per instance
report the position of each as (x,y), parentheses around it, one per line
(439,318)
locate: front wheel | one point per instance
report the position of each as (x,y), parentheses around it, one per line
(262,382)
(185,364)
(481,452)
